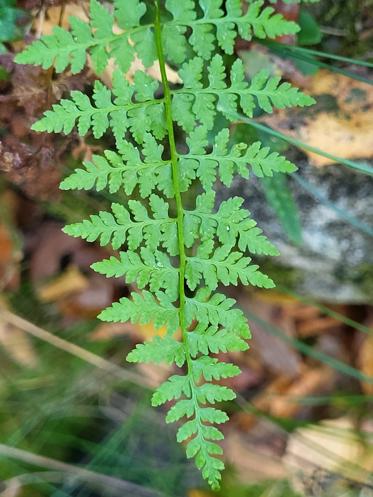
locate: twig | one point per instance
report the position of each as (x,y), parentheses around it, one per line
(106,481)
(73,349)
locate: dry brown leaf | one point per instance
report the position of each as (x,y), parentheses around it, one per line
(48,249)
(351,95)
(16,343)
(154,373)
(199,493)
(138,332)
(349,133)
(276,354)
(348,137)
(70,282)
(108,331)
(312,381)
(246,420)
(53,16)
(10,257)
(302,311)
(89,301)
(317,325)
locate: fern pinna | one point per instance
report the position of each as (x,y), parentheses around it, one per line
(176,256)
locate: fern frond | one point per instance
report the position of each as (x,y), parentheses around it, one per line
(144,308)
(216,309)
(166,249)
(126,170)
(96,39)
(133,226)
(230,224)
(159,350)
(263,91)
(200,435)
(219,26)
(223,265)
(122,108)
(227,162)
(150,268)
(212,339)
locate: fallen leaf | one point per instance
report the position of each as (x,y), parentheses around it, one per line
(317,325)
(87,303)
(108,331)
(16,343)
(48,248)
(70,282)
(351,95)
(348,137)
(312,381)
(10,257)
(276,354)
(199,493)
(245,420)
(154,374)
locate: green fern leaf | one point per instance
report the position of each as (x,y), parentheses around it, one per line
(263,91)
(125,170)
(129,13)
(211,368)
(113,110)
(173,388)
(97,39)
(217,310)
(211,339)
(223,265)
(151,268)
(238,160)
(209,393)
(216,25)
(144,308)
(159,350)
(230,224)
(101,42)
(132,226)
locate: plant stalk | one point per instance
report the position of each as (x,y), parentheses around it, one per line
(180,223)
(175,169)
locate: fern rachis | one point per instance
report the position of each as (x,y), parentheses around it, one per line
(167,248)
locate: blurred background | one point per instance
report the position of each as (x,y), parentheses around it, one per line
(75,419)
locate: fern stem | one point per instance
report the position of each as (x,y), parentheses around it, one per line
(180,218)
(180,214)
(175,170)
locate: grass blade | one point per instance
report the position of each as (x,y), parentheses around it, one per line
(357,166)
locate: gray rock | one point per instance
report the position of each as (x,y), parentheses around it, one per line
(335,261)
